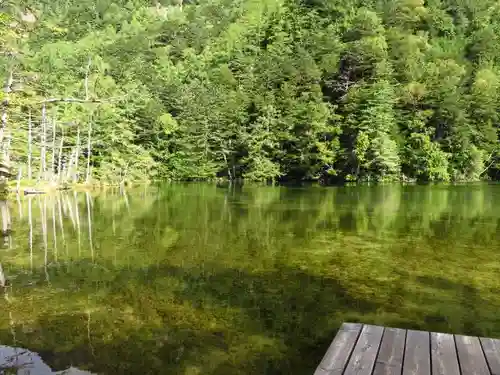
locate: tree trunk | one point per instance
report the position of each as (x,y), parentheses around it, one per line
(53,163)
(20,207)
(30,152)
(4,209)
(77,156)
(43,140)
(87,177)
(19,175)
(7,90)
(2,277)
(70,165)
(59,162)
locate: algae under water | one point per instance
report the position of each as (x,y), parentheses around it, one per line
(200,279)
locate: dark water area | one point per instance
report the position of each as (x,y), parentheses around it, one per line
(199,279)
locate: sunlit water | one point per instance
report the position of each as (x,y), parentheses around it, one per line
(200,279)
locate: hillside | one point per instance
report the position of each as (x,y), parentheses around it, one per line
(263,90)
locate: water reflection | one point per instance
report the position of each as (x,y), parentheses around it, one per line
(193,279)
(24,362)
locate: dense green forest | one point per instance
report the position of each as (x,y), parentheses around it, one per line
(269,90)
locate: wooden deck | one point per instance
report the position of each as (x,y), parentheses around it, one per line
(372,350)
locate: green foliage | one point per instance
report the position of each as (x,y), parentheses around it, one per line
(265,89)
(372,125)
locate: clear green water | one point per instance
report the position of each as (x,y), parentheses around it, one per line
(199,279)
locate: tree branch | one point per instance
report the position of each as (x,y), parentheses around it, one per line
(70,100)
(489,165)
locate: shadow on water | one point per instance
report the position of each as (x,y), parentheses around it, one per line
(281,319)
(285,320)
(196,279)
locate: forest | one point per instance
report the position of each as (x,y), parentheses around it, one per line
(257,90)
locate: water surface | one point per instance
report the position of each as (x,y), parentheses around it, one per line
(199,279)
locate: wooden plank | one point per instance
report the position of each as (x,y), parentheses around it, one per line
(471,356)
(444,354)
(337,355)
(320,371)
(417,359)
(491,349)
(390,357)
(365,352)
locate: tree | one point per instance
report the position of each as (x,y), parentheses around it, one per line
(370,125)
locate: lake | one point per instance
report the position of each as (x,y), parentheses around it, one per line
(204,279)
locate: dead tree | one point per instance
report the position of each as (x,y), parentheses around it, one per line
(43,140)
(89,142)
(77,154)
(30,140)
(53,163)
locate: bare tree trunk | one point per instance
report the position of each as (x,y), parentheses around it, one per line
(39,177)
(3,284)
(7,89)
(6,223)
(43,140)
(20,207)
(63,172)
(230,177)
(6,150)
(70,165)
(87,177)
(53,164)
(4,120)
(77,154)
(2,277)
(89,219)
(4,209)
(59,162)
(29,145)
(19,175)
